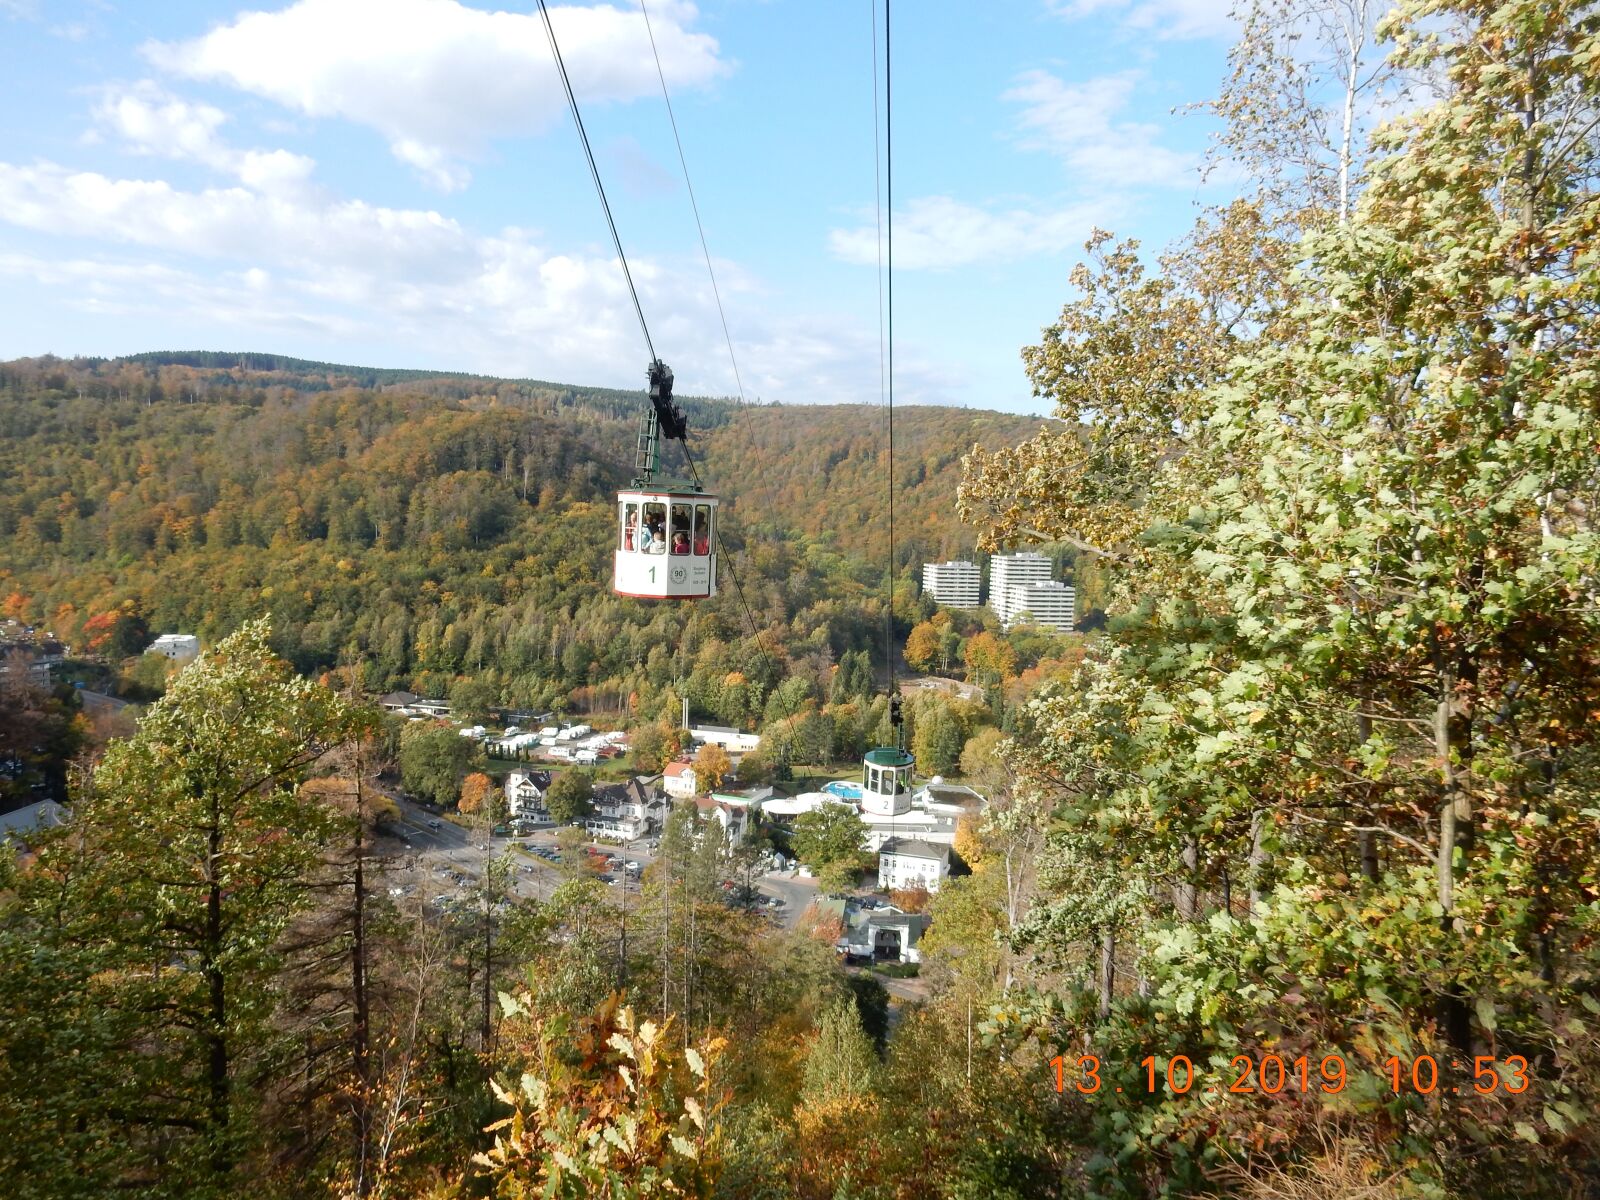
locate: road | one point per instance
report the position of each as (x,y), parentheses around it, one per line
(100,702)
(436,859)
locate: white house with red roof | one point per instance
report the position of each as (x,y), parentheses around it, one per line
(679,781)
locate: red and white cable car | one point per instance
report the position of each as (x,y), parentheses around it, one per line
(666,547)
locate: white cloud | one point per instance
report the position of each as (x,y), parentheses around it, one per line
(1078,122)
(329,274)
(1167,20)
(1107,160)
(440,80)
(941,232)
(150,121)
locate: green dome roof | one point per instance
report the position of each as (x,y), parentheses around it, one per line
(888,756)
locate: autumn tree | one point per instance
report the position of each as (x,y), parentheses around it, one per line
(477,789)
(604,1104)
(922,646)
(988,657)
(711,766)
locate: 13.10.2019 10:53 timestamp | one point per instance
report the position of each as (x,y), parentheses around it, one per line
(1273,1073)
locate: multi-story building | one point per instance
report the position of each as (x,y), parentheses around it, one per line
(955,584)
(1008,575)
(909,863)
(1053,605)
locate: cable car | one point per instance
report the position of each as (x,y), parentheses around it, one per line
(666,546)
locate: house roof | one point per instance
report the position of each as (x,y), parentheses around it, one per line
(954,794)
(914,848)
(398,698)
(676,769)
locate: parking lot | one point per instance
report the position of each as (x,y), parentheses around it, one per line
(443,861)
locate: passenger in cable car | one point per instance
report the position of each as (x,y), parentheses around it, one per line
(702,529)
(656,534)
(680,542)
(630,529)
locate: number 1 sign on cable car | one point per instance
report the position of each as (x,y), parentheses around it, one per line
(666,546)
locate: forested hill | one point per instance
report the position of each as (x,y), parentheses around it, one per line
(436,525)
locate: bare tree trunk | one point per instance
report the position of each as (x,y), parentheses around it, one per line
(1355,41)
(1108,969)
(219,1079)
(1368,843)
(1185,895)
(1453,746)
(1259,858)
(360,1032)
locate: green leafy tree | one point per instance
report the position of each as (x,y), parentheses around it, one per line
(570,797)
(937,743)
(434,760)
(831,833)
(980,761)
(471,699)
(841,1063)
(206,841)
(649,749)
(1348,689)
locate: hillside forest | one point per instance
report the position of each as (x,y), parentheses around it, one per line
(1287,885)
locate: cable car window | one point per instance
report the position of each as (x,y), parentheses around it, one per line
(702,529)
(680,531)
(630,526)
(654,535)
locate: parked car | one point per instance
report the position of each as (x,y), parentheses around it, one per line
(436,824)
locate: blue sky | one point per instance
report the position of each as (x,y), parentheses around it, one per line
(398,183)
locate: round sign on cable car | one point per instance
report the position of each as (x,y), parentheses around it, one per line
(666,546)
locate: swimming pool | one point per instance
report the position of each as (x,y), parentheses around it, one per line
(843,790)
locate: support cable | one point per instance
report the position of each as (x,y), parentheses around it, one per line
(594,173)
(693,203)
(888,221)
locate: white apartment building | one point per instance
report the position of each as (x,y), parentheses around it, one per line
(1051,604)
(955,584)
(1008,575)
(180,647)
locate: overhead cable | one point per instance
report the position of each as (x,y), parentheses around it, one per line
(594,173)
